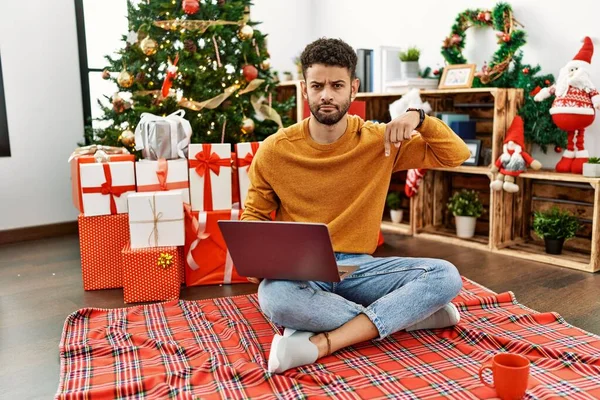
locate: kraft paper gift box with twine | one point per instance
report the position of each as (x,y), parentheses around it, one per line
(210,176)
(163,175)
(163,137)
(156,219)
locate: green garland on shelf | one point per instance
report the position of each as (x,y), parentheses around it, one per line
(507,70)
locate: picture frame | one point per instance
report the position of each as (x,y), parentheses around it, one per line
(457,76)
(474,146)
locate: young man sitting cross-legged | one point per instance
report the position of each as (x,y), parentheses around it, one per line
(335,169)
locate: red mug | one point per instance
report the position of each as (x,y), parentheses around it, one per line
(510,373)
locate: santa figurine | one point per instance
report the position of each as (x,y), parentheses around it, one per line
(514,159)
(573,109)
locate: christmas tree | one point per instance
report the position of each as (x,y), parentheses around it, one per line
(206,59)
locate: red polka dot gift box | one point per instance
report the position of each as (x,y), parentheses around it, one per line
(151,274)
(101,240)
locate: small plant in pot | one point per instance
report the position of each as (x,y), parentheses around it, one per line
(409,65)
(394,202)
(591,168)
(555,226)
(466,208)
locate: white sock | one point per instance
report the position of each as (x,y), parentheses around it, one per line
(291,350)
(442,318)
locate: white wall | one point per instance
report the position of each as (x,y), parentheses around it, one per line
(554,30)
(289,24)
(42,84)
(43,103)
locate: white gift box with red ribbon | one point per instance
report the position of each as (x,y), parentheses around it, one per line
(106,186)
(163,175)
(245,153)
(156,219)
(210,176)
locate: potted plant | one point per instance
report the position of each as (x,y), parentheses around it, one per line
(409,65)
(466,208)
(555,226)
(591,168)
(288,76)
(394,202)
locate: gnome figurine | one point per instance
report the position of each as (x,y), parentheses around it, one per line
(514,159)
(574,107)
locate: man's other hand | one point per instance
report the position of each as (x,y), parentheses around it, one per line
(400,129)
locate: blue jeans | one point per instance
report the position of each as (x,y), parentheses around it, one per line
(394,292)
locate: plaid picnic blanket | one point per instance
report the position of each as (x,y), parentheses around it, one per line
(218,349)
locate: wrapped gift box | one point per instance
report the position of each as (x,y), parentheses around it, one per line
(163,137)
(163,175)
(75,163)
(207,261)
(101,240)
(156,219)
(235,183)
(105,187)
(152,274)
(210,176)
(245,155)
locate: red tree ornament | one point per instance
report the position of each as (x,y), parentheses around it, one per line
(250,72)
(171,74)
(191,7)
(558,149)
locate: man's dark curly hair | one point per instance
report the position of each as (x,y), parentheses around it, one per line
(331,52)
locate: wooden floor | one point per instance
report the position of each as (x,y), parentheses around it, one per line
(40,284)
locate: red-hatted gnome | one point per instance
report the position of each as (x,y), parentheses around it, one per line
(514,159)
(573,109)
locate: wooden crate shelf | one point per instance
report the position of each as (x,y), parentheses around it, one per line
(507,226)
(535,252)
(448,235)
(401,228)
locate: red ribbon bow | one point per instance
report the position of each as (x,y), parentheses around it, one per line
(107,189)
(161,173)
(206,161)
(247,160)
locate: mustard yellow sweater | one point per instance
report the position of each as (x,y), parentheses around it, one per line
(343,184)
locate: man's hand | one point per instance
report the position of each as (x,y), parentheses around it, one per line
(254,280)
(400,129)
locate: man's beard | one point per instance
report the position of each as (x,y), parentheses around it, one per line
(329,118)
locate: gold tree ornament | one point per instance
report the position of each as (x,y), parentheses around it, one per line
(248,126)
(149,46)
(265,64)
(128,138)
(246,32)
(125,80)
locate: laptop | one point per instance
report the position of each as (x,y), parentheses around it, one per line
(283,250)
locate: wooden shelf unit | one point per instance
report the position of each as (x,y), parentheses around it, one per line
(506,227)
